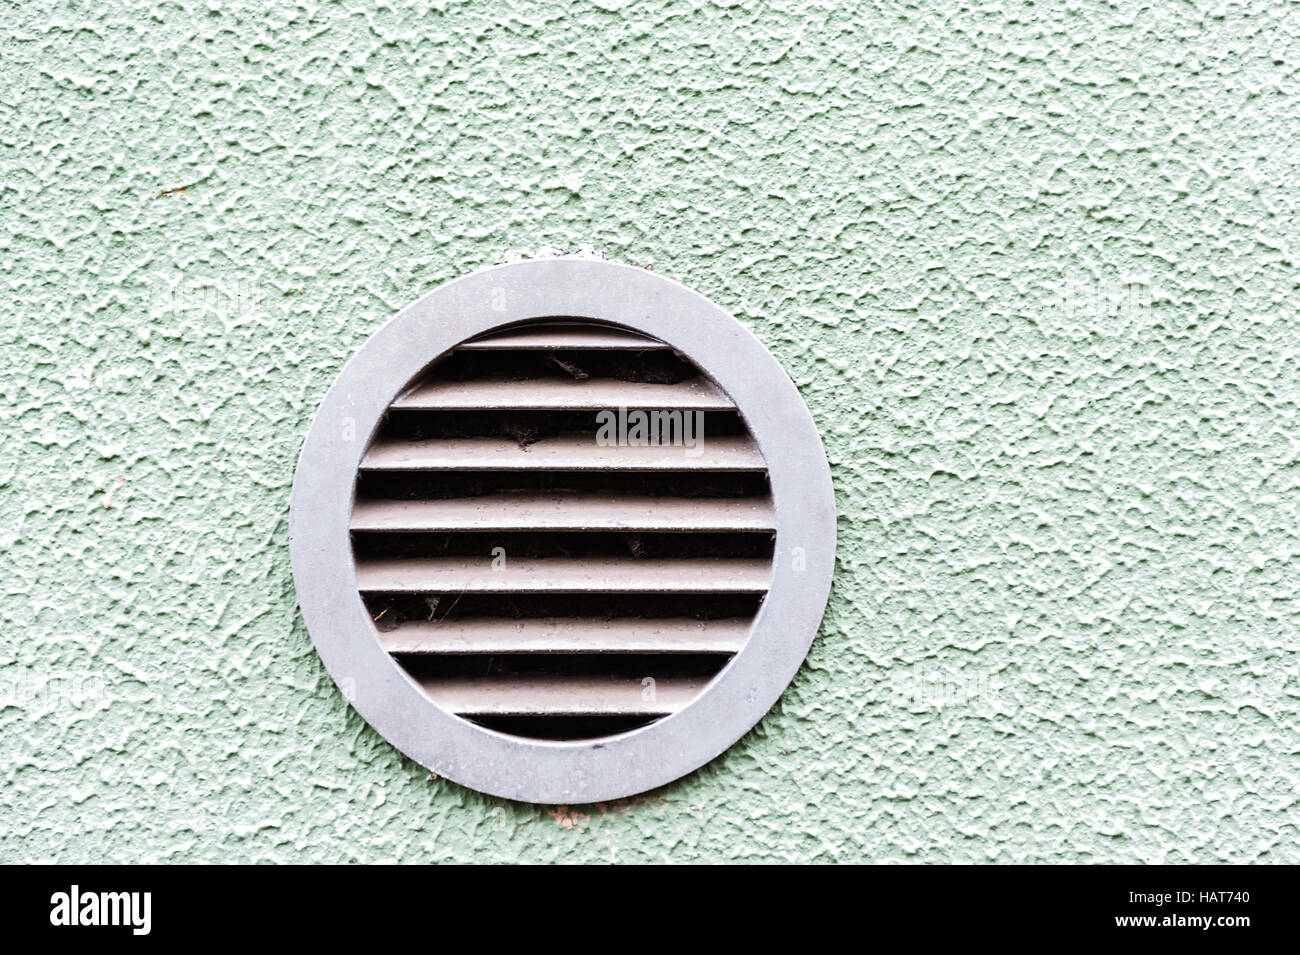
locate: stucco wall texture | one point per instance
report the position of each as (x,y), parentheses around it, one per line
(1032,266)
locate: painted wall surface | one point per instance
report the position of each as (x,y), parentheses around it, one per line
(1032,266)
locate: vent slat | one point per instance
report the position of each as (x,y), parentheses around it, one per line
(564,453)
(556,511)
(563,394)
(480,635)
(610,575)
(564,338)
(560,696)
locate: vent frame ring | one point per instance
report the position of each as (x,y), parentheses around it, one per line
(568,771)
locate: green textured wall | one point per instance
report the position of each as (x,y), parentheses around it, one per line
(1032,266)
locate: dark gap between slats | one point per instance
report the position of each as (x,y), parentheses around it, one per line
(528,427)
(422,485)
(544,667)
(652,366)
(390,610)
(561,323)
(583,544)
(563,727)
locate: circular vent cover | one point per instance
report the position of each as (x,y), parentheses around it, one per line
(562,531)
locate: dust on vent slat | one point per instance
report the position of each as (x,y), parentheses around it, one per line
(562,453)
(564,338)
(562,394)
(484,635)
(560,695)
(556,511)
(608,575)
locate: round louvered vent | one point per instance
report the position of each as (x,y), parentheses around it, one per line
(562,530)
